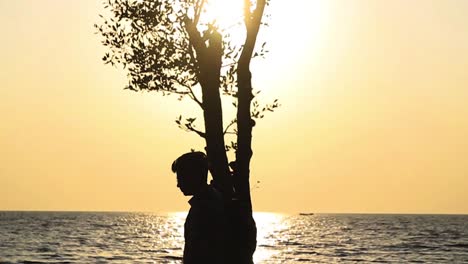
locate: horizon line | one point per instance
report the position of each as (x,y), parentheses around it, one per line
(270,212)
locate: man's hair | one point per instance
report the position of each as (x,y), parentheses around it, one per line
(195,162)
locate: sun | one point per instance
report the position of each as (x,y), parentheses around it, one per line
(225,13)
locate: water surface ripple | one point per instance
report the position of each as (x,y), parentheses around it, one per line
(74,237)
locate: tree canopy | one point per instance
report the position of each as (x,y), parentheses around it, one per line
(151,40)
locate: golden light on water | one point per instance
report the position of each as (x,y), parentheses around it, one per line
(267,225)
(179,220)
(269,228)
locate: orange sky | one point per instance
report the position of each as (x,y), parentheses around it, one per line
(373,119)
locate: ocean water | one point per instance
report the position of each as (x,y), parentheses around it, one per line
(75,237)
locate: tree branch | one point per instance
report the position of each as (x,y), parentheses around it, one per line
(201,134)
(198,11)
(229,126)
(189,92)
(252,24)
(194,97)
(194,36)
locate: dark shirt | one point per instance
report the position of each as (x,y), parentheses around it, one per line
(205,228)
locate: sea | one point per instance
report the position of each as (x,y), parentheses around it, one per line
(118,237)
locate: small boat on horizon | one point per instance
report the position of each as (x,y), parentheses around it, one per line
(306,214)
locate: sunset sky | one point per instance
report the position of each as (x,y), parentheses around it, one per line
(374,115)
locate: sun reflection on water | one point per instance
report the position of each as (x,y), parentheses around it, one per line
(268,225)
(178,219)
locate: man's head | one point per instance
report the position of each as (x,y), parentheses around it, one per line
(192,172)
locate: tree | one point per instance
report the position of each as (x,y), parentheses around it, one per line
(167,46)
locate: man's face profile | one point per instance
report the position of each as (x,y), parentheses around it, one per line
(191,170)
(186,182)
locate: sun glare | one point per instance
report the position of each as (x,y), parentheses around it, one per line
(226,13)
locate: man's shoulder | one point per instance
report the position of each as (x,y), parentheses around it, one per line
(210,194)
(215,193)
(210,201)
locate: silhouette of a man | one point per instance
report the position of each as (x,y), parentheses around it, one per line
(204,229)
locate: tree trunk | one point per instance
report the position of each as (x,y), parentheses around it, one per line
(243,229)
(209,59)
(248,231)
(215,146)
(240,234)
(210,70)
